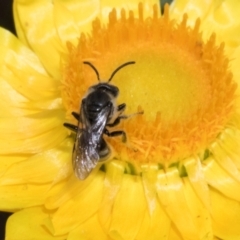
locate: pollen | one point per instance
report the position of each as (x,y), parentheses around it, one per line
(181,82)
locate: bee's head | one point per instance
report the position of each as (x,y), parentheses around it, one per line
(107,88)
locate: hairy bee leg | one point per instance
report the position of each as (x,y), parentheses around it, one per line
(118,119)
(76,115)
(120,109)
(130,115)
(115,134)
(71,127)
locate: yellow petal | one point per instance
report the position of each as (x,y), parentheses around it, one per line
(11,103)
(156,224)
(71,187)
(193,8)
(27,224)
(18,26)
(22,196)
(201,215)
(73,17)
(229,142)
(35,144)
(226,216)
(88,230)
(70,17)
(128,209)
(197,179)
(87,202)
(174,234)
(32,126)
(224,160)
(8,160)
(66,27)
(170,191)
(37,22)
(218,178)
(27,92)
(235,69)
(45,24)
(22,77)
(14,53)
(112,183)
(32,85)
(224,20)
(49,166)
(32,134)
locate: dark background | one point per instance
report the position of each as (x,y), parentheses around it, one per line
(6,21)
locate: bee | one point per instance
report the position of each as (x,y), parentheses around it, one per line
(98,111)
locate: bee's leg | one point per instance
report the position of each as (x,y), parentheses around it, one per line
(115,134)
(71,127)
(76,115)
(117,121)
(120,109)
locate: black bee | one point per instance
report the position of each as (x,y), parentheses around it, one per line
(98,111)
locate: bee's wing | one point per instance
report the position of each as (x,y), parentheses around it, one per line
(85,152)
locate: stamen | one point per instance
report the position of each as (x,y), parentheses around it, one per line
(182,84)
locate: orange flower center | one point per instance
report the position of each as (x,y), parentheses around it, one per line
(182,84)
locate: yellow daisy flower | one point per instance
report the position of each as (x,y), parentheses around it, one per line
(177,175)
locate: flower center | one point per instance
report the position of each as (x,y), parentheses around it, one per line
(182,84)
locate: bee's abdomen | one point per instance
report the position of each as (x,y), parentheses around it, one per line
(104,150)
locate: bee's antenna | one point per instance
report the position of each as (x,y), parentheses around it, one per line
(95,70)
(116,70)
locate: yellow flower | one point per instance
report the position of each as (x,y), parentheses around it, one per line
(177,176)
